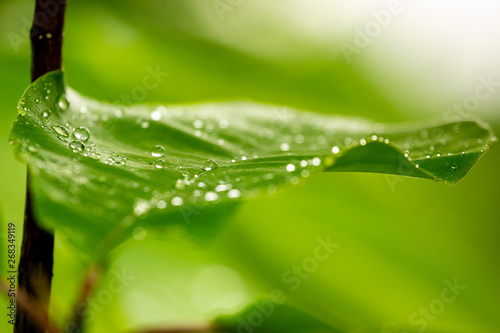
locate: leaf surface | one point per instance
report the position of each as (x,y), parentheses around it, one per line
(99,169)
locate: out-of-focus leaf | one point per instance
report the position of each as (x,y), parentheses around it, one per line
(269,317)
(100,169)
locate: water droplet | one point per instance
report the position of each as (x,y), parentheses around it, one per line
(62,103)
(46,113)
(374,138)
(454,166)
(335,150)
(234,193)
(77,146)
(60,130)
(222,187)
(158,151)
(211,196)
(303,163)
(285,146)
(177,201)
(156,115)
(162,204)
(210,165)
(290,168)
(417,166)
(160,164)
(198,124)
(428,156)
(316,161)
(362,142)
(81,133)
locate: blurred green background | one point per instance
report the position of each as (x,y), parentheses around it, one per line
(400,238)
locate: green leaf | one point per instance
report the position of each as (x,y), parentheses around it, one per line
(268,317)
(100,171)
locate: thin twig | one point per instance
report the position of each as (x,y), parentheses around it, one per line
(37,249)
(89,283)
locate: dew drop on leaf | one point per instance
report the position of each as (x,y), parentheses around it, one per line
(335,149)
(234,193)
(156,115)
(158,151)
(60,130)
(46,114)
(62,103)
(77,146)
(290,168)
(211,196)
(81,133)
(453,166)
(177,201)
(210,165)
(285,146)
(160,164)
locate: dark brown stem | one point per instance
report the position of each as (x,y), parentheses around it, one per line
(47,37)
(37,249)
(36,312)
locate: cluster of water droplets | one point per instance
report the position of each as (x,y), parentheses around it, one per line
(246,153)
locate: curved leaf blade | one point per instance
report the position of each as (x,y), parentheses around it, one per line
(98,167)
